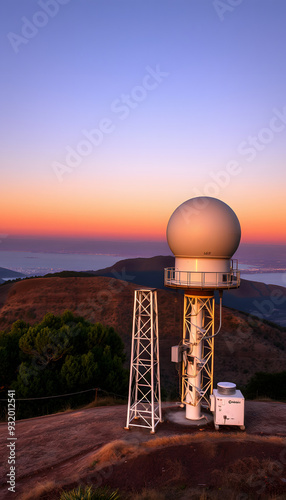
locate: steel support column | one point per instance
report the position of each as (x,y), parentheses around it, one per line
(198,351)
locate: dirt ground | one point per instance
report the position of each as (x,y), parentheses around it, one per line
(61,451)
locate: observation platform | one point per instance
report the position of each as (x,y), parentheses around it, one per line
(201,280)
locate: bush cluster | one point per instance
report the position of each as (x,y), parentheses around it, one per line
(60,355)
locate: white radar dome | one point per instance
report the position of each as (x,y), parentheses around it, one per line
(203,227)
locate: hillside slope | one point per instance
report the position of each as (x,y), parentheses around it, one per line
(261,300)
(90,446)
(242,348)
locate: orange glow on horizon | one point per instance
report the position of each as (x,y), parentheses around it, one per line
(252,231)
(102,229)
(263,229)
(252,235)
(72,214)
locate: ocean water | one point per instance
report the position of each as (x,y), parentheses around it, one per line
(38,264)
(277,278)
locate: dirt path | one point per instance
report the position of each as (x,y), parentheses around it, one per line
(59,448)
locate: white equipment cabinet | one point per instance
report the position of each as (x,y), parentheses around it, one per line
(227,405)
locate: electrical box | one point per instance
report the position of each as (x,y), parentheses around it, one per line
(176,354)
(227,405)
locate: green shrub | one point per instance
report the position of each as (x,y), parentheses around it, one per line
(90,494)
(60,355)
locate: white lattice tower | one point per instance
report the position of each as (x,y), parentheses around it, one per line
(144,399)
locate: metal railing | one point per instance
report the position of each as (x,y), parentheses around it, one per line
(194,279)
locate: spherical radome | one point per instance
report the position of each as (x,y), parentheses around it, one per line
(203,227)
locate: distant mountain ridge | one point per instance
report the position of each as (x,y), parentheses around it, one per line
(255,298)
(147,271)
(8,273)
(262,300)
(252,297)
(141,264)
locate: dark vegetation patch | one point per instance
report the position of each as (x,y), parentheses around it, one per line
(60,355)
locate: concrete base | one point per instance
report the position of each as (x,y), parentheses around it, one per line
(179,417)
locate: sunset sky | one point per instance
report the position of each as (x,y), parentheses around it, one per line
(114,112)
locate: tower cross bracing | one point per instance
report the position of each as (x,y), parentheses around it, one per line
(144,398)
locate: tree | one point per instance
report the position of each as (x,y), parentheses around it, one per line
(10,355)
(62,354)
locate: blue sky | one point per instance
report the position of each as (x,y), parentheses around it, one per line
(220,98)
